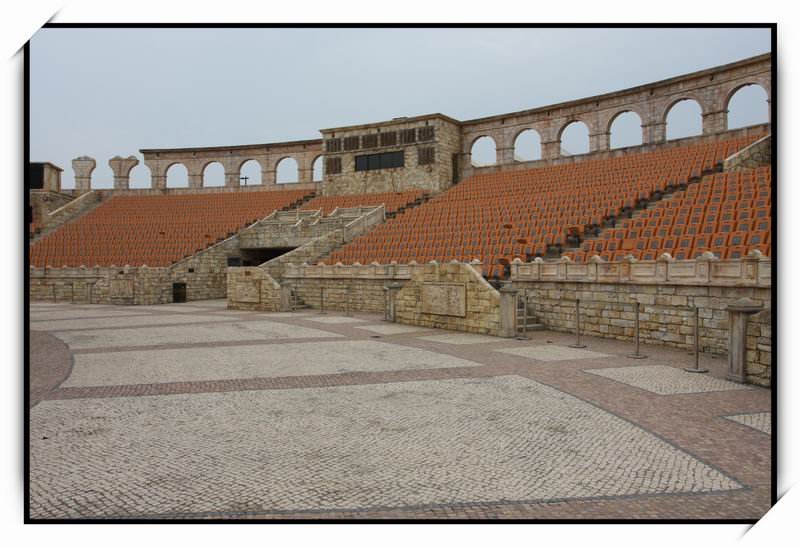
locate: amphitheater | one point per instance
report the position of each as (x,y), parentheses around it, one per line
(413,335)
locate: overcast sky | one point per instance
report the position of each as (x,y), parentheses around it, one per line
(103,92)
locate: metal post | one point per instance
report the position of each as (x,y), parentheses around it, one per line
(293,299)
(322,300)
(348,301)
(696,368)
(636,355)
(577,326)
(54,292)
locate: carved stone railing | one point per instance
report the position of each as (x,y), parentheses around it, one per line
(392,271)
(754,270)
(369,217)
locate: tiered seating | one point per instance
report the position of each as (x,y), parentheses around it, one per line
(155,230)
(498,217)
(727,213)
(392,200)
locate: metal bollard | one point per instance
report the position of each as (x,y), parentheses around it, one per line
(696,368)
(348,301)
(322,300)
(577,326)
(636,355)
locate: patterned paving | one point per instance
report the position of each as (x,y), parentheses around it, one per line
(393,328)
(461,338)
(251,361)
(268,415)
(553,353)
(147,336)
(392,445)
(126,321)
(663,380)
(758,421)
(335,319)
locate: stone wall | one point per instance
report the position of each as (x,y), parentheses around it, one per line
(308,253)
(251,288)
(435,177)
(69,210)
(205,273)
(101,285)
(667,291)
(756,155)
(449,296)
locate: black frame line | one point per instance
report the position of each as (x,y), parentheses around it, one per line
(774,301)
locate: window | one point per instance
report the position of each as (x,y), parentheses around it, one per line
(386,160)
(425,133)
(388,139)
(351,143)
(333,145)
(425,156)
(333,165)
(408,136)
(371,141)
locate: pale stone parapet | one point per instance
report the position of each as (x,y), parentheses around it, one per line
(754,270)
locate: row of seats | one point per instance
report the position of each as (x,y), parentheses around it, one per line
(500,216)
(391,200)
(156,230)
(728,214)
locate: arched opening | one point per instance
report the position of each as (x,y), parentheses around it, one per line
(102,176)
(528,146)
(177,176)
(214,174)
(250,173)
(684,119)
(626,130)
(288,171)
(317,173)
(748,106)
(484,152)
(140,176)
(574,139)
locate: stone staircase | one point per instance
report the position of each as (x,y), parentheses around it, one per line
(554,252)
(533,323)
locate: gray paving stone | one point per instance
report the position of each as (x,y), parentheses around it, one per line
(348,447)
(758,421)
(665,380)
(392,328)
(251,361)
(187,334)
(126,321)
(553,353)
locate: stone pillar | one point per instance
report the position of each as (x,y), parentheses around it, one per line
(232,179)
(158,181)
(551,149)
(654,132)
(83,167)
(305,175)
(286,298)
(391,300)
(714,122)
(599,142)
(508,312)
(738,314)
(505,156)
(195,180)
(269,178)
(122,171)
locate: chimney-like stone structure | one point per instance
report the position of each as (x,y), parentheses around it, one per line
(122,170)
(83,166)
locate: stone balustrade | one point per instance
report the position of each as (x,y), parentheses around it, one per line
(753,270)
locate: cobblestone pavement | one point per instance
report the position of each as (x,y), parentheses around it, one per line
(760,421)
(259,415)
